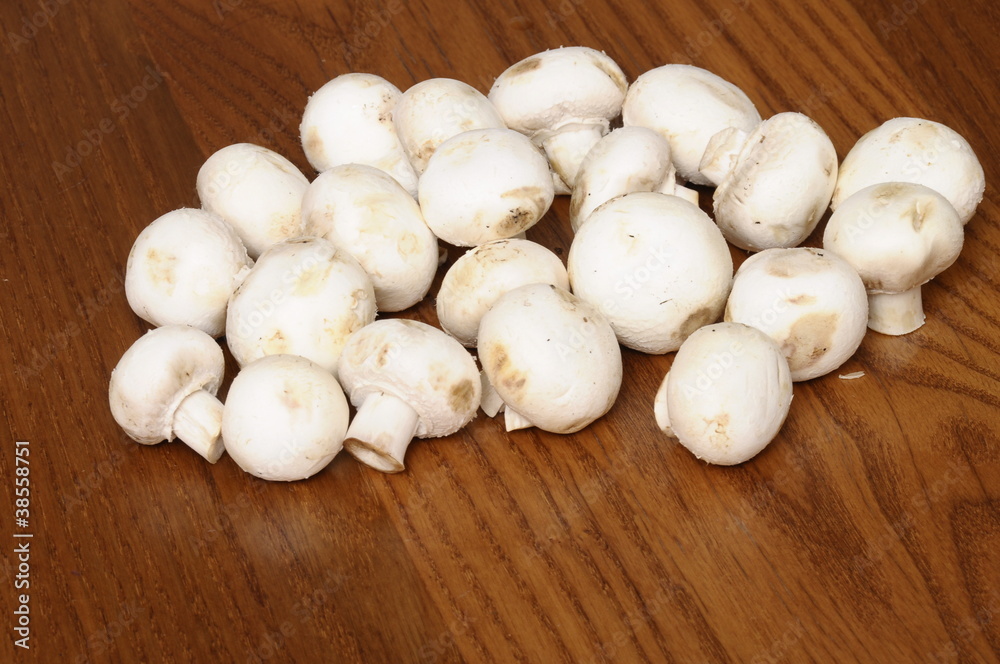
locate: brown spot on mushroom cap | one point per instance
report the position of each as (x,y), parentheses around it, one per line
(312,280)
(533,192)
(461,396)
(524,66)
(616,76)
(802,299)
(919,211)
(515,221)
(503,374)
(885,192)
(697,320)
(313,144)
(809,339)
(276,344)
(160,268)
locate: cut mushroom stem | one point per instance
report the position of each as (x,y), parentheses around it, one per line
(896,313)
(492,402)
(720,155)
(198,422)
(567,147)
(381,432)
(513,420)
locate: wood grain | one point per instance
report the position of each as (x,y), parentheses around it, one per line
(868,531)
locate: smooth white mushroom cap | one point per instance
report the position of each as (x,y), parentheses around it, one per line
(485,184)
(688,105)
(285,418)
(727,393)
(349,120)
(484,273)
(655,265)
(365,212)
(419,365)
(780,184)
(432,111)
(153,377)
(552,357)
(919,151)
(897,235)
(810,301)
(257,191)
(182,269)
(303,297)
(627,160)
(564,100)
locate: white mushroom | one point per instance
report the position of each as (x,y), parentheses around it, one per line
(432,111)
(655,265)
(810,301)
(257,191)
(481,275)
(407,379)
(182,269)
(919,151)
(551,357)
(564,100)
(627,160)
(485,184)
(688,105)
(349,120)
(164,388)
(368,214)
(303,297)
(778,185)
(898,236)
(285,418)
(727,393)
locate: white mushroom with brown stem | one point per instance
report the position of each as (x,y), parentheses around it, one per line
(564,100)
(407,379)
(898,236)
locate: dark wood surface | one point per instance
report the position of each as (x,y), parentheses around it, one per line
(869,531)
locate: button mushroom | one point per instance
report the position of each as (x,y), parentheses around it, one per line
(810,301)
(257,191)
(303,297)
(482,185)
(919,151)
(655,265)
(726,395)
(407,379)
(688,106)
(368,214)
(564,100)
(349,120)
(551,357)
(898,236)
(285,418)
(164,388)
(778,184)
(182,269)
(432,111)
(483,274)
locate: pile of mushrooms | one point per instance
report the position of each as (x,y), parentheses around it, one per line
(299,275)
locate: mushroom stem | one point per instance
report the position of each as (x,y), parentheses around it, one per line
(198,422)
(491,402)
(720,154)
(567,147)
(381,432)
(514,420)
(895,313)
(660,408)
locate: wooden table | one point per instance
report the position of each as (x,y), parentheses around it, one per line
(868,531)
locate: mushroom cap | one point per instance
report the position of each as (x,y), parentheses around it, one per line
(919,151)
(655,265)
(349,120)
(257,191)
(366,213)
(484,273)
(543,93)
(810,301)
(627,160)
(897,235)
(182,269)
(728,393)
(418,364)
(303,297)
(484,184)
(780,185)
(432,111)
(552,357)
(688,105)
(153,377)
(285,418)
